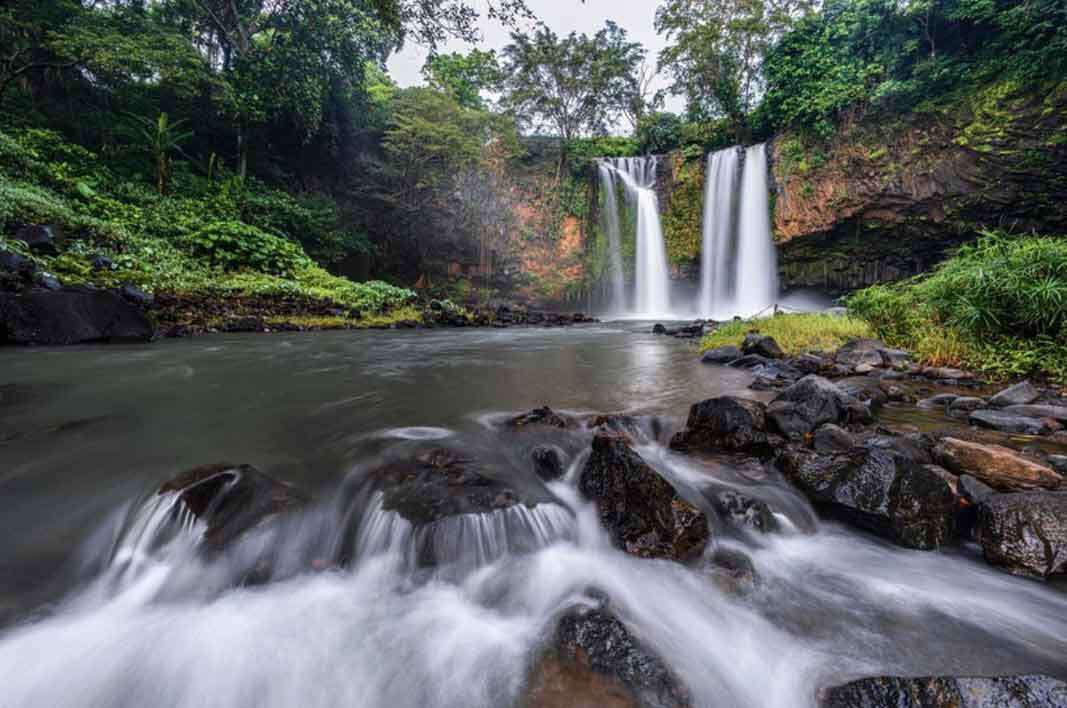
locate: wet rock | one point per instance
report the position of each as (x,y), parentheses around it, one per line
(895,357)
(1058,413)
(231,499)
(1059,463)
(997,466)
(1030,691)
(440,483)
(659,328)
(41,239)
(745,512)
(914,446)
(1020,394)
(944,373)
(70,316)
(973,489)
(548,462)
(830,438)
(877,489)
(725,423)
(643,513)
(859,352)
(135,295)
(16,265)
(541,417)
(761,345)
(750,361)
(811,402)
(941,400)
(894,392)
(810,363)
(1025,532)
(595,661)
(865,390)
(1008,423)
(965,405)
(734,572)
(721,355)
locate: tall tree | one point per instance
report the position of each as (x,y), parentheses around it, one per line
(716,57)
(465,76)
(572,86)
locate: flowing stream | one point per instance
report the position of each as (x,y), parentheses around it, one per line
(105,599)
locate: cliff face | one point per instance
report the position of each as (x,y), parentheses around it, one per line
(886,200)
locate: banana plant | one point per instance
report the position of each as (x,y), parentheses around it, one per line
(162,138)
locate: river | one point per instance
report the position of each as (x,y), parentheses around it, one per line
(95,611)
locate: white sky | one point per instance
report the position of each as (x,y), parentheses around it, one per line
(562,16)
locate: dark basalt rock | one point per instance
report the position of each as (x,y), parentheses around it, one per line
(734,572)
(641,510)
(811,402)
(231,499)
(830,438)
(135,295)
(70,316)
(1021,393)
(721,355)
(761,345)
(42,239)
(941,400)
(965,405)
(858,352)
(1009,423)
(1025,532)
(745,512)
(878,489)
(543,417)
(864,389)
(725,423)
(593,641)
(1032,691)
(440,483)
(548,462)
(1058,413)
(750,361)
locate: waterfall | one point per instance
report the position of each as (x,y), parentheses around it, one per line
(739,272)
(610,221)
(651,276)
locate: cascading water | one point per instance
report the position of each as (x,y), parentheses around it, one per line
(610,222)
(739,272)
(651,276)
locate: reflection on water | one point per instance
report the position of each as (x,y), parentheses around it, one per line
(144,619)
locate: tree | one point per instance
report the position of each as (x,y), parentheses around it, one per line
(431,23)
(161,138)
(717,56)
(572,86)
(645,98)
(464,76)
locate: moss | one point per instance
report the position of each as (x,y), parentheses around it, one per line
(683,216)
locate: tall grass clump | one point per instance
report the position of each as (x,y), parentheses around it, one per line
(795,333)
(998,305)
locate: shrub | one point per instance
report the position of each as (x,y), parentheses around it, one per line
(999,305)
(232,245)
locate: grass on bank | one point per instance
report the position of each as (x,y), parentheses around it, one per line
(795,333)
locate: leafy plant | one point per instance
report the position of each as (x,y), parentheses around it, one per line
(162,138)
(235,246)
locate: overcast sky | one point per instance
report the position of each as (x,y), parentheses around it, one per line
(562,16)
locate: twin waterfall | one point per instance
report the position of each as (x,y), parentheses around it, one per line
(738,273)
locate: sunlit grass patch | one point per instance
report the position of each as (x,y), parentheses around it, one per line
(795,333)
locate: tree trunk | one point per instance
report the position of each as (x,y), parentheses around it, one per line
(242,151)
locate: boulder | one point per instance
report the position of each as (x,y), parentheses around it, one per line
(811,402)
(744,512)
(864,389)
(750,361)
(594,661)
(878,489)
(725,423)
(860,352)
(1009,423)
(1025,532)
(548,462)
(70,316)
(721,355)
(1032,410)
(41,239)
(1020,394)
(16,265)
(965,405)
(973,489)
(231,499)
(944,373)
(659,328)
(733,572)
(642,512)
(543,417)
(135,295)
(1028,691)
(440,483)
(761,345)
(999,467)
(941,400)
(830,438)
(895,357)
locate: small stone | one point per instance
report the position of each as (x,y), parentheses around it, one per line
(941,400)
(1059,463)
(1020,394)
(722,355)
(864,368)
(965,404)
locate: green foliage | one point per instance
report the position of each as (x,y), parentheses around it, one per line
(659,133)
(795,333)
(571,86)
(464,76)
(684,214)
(1002,301)
(891,56)
(233,245)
